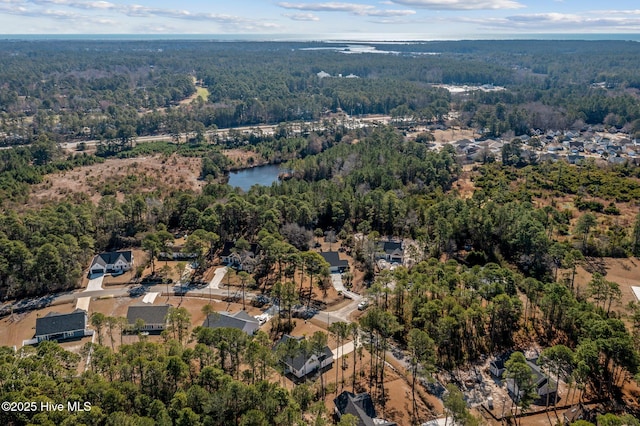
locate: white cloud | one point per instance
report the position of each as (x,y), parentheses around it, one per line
(460,4)
(353,8)
(67,9)
(301,16)
(391,13)
(590,21)
(89,5)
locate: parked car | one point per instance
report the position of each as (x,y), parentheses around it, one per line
(137,291)
(363,304)
(260,300)
(262,319)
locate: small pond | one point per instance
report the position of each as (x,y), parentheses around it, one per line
(261,175)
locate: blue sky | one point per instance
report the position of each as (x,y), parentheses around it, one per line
(317,19)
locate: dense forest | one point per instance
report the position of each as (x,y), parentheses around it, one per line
(149,384)
(99,90)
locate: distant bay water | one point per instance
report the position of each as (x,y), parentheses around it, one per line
(345,37)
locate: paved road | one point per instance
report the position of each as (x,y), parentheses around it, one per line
(330,317)
(266,129)
(341,314)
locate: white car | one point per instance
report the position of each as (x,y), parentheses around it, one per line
(262,319)
(363,305)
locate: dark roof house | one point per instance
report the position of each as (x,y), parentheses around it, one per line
(576,159)
(56,326)
(113,261)
(496,366)
(391,251)
(360,406)
(240,320)
(154,316)
(544,387)
(228,248)
(304,364)
(335,263)
(243,260)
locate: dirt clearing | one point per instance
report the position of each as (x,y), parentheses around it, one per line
(116,176)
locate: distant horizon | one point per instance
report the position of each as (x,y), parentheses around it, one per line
(326,38)
(323,19)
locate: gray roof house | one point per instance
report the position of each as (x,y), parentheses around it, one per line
(360,406)
(576,159)
(335,263)
(391,251)
(304,364)
(154,316)
(56,326)
(113,261)
(240,320)
(496,366)
(243,260)
(546,389)
(617,160)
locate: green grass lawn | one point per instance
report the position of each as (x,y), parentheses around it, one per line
(203,93)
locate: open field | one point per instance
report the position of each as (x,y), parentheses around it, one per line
(150,174)
(453,134)
(625,272)
(241,157)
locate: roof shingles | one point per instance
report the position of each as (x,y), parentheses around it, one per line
(56,323)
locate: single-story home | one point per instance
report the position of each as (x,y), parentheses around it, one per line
(240,320)
(360,406)
(617,160)
(154,316)
(110,262)
(56,326)
(304,364)
(335,263)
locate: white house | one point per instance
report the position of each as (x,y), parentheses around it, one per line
(391,251)
(545,388)
(243,260)
(113,261)
(304,364)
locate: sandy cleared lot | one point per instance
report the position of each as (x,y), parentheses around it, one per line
(625,272)
(130,175)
